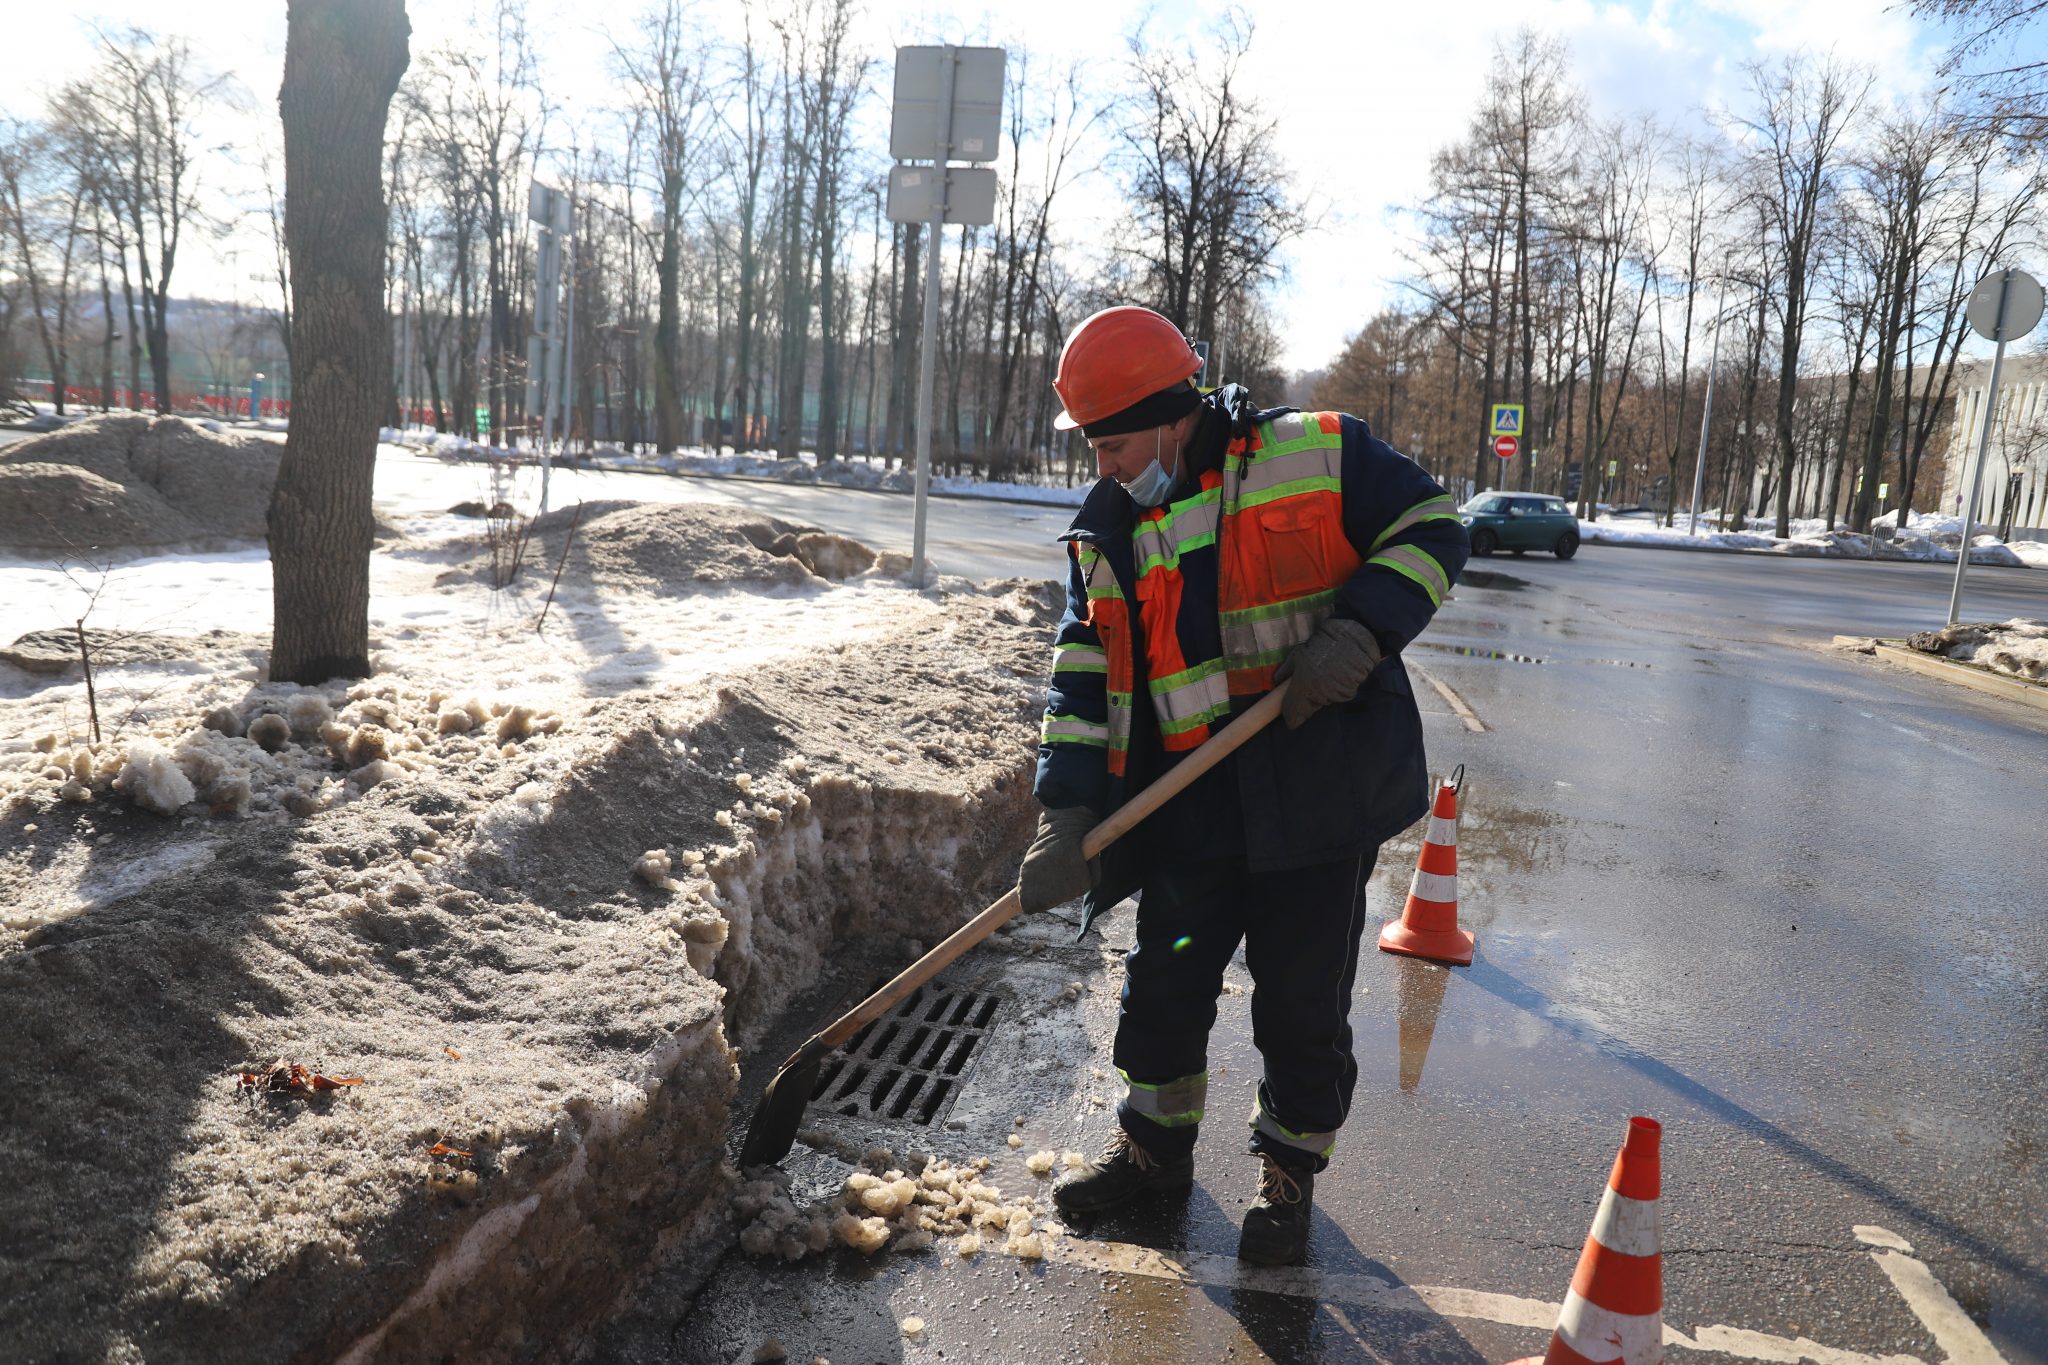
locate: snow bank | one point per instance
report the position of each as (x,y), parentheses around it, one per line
(1927,539)
(2017,648)
(124,480)
(432,880)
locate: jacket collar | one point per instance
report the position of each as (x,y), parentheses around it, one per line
(1108,511)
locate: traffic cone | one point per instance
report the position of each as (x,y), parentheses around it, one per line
(1615,1309)
(1428,926)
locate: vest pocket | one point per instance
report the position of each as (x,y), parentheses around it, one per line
(1293,558)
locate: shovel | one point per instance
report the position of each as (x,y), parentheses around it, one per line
(781,1109)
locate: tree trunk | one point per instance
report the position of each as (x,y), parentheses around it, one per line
(342,66)
(668,410)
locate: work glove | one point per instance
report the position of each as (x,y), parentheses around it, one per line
(1054,870)
(1330,666)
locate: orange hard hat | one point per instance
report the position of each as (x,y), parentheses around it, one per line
(1118,357)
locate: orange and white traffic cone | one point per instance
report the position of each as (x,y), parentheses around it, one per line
(1428,926)
(1615,1309)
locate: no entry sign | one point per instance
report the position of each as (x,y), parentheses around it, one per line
(1506,447)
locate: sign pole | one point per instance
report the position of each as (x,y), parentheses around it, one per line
(568,356)
(1955,597)
(927,366)
(1699,467)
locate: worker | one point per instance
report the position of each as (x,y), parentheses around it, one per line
(1224,549)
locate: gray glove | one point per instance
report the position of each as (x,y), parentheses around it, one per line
(1330,666)
(1054,871)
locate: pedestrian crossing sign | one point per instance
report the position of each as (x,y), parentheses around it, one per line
(1507,419)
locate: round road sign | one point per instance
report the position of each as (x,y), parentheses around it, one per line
(1506,447)
(2022,305)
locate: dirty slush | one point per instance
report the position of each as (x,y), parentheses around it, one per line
(371,1019)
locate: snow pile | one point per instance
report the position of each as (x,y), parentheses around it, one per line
(2017,648)
(901,1210)
(123,480)
(1927,539)
(281,749)
(428,879)
(656,547)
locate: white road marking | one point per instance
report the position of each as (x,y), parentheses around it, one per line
(1374,1294)
(1961,1341)
(1451,699)
(1871,1235)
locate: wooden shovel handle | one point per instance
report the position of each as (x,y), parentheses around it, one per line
(1120,823)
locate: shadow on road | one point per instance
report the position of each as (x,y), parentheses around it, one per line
(1513,991)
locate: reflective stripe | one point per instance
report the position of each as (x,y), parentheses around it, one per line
(1294,431)
(1097,574)
(1322,1144)
(1192,698)
(1627,1225)
(1176,1104)
(1434,886)
(1419,565)
(1119,728)
(1070,730)
(1600,1335)
(1160,542)
(1079,659)
(1442,832)
(1263,635)
(1432,509)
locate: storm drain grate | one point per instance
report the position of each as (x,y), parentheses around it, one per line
(909,1063)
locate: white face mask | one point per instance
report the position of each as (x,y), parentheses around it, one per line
(1153,483)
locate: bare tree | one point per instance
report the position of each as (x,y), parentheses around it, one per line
(44,198)
(665,64)
(1213,207)
(153,92)
(1801,116)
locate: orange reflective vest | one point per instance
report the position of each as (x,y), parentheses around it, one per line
(1272,520)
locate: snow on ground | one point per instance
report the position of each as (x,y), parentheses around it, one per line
(846,473)
(531,883)
(1927,538)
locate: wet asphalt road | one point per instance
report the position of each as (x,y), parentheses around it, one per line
(1786,900)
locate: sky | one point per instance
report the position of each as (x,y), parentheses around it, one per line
(1363,93)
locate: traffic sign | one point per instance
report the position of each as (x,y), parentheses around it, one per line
(926,125)
(1507,447)
(1507,419)
(1613,468)
(2002,311)
(969,194)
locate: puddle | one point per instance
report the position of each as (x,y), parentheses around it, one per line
(1475,652)
(1509,656)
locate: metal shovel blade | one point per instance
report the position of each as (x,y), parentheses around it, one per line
(780,1111)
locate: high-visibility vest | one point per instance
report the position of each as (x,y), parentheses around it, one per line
(1275,515)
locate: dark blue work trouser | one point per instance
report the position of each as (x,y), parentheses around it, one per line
(1301,930)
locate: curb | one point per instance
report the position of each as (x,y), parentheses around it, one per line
(1968,675)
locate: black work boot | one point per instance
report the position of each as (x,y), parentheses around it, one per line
(1122,1173)
(1276,1225)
